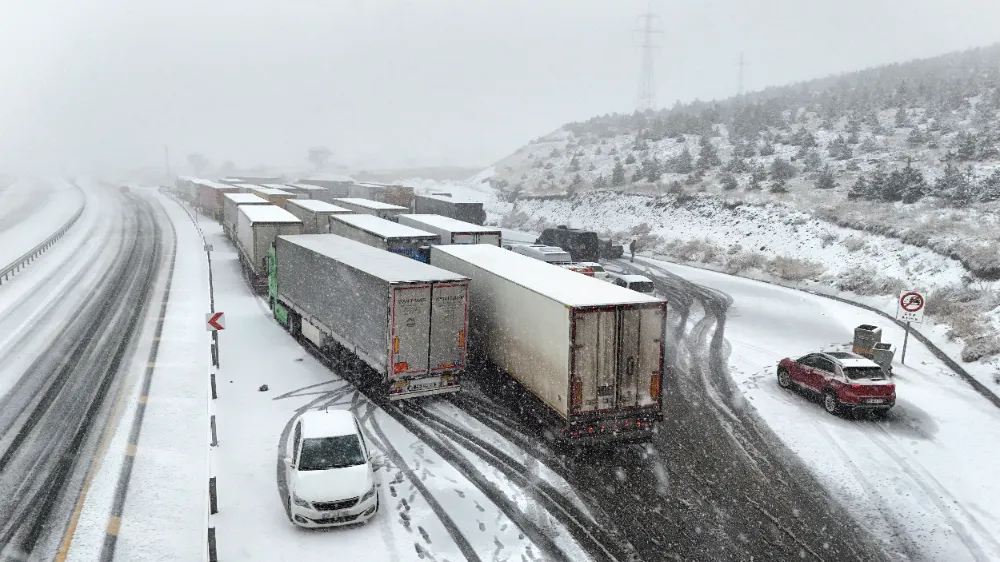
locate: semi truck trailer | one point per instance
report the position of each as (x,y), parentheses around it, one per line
(385,235)
(256,228)
(406,320)
(452,231)
(369,207)
(230,213)
(314,214)
(277,197)
(450,205)
(591,353)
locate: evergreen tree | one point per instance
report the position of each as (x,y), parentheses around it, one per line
(782,169)
(728,182)
(877,183)
(708,156)
(757,176)
(597,152)
(853,166)
(839,149)
(913,182)
(630,159)
(577,180)
(591,167)
(574,164)
(892,189)
(953,186)
(854,129)
(902,120)
(989,188)
(618,174)
(915,138)
(965,145)
(737,165)
(744,149)
(652,170)
(853,138)
(601,182)
(860,189)
(804,138)
(681,164)
(812,160)
(825,179)
(767,149)
(637,176)
(779,186)
(988,146)
(869,145)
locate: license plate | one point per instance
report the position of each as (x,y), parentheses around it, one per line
(875,401)
(334,515)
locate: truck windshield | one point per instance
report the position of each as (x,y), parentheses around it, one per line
(326,453)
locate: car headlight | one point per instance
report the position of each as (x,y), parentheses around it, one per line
(301,502)
(368,495)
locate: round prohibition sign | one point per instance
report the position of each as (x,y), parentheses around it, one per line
(912,302)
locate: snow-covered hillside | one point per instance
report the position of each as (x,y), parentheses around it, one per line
(910,151)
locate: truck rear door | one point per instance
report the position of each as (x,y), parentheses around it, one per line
(410,337)
(594,384)
(492,239)
(639,361)
(463,238)
(448,326)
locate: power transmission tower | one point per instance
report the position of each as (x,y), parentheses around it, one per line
(647,80)
(743,63)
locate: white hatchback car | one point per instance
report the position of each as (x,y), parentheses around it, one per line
(329,471)
(639,283)
(598,269)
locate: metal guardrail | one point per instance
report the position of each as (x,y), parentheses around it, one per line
(32,254)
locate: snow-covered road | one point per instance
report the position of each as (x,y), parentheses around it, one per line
(31,210)
(924,479)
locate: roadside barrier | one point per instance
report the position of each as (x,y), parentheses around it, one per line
(7,272)
(212,499)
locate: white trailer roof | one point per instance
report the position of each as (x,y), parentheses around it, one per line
(245,185)
(385,265)
(450,224)
(268,213)
(374,205)
(270,191)
(561,285)
(453,198)
(307,187)
(317,206)
(211,184)
(240,198)
(279,186)
(383,228)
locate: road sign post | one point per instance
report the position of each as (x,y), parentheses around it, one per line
(215,321)
(910,309)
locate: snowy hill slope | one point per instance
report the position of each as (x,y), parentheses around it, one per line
(909,151)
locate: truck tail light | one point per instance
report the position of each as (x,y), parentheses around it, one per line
(395,345)
(461,338)
(577,392)
(400,367)
(654,387)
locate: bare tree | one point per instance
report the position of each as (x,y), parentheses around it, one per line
(320,156)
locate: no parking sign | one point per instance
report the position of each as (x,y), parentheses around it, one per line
(910,307)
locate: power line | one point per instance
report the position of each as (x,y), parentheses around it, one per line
(646,98)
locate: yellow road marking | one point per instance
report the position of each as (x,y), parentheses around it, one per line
(114,525)
(143,399)
(151,364)
(130,451)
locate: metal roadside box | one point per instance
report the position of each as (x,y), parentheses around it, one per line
(865,338)
(883,354)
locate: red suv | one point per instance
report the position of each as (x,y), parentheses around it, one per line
(847,381)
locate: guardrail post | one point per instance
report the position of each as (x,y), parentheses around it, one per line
(213,496)
(213,555)
(215,436)
(215,393)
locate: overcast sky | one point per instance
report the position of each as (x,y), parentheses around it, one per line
(395,82)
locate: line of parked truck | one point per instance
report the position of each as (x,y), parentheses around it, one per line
(416,296)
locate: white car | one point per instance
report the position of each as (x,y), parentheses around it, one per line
(598,269)
(639,283)
(329,471)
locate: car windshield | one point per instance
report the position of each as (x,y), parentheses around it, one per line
(325,453)
(597,268)
(642,286)
(855,373)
